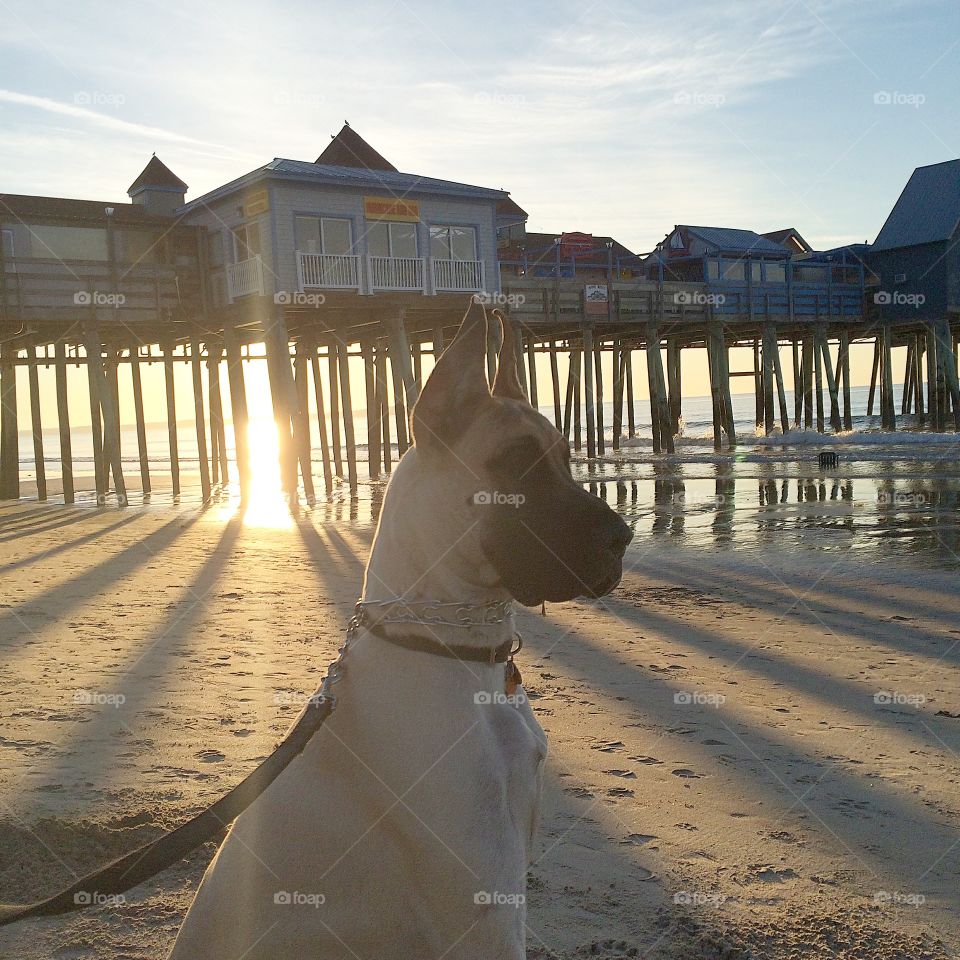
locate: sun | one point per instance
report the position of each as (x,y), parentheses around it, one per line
(267,506)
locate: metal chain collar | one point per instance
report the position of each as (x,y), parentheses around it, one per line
(434,612)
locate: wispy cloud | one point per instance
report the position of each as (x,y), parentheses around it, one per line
(88,116)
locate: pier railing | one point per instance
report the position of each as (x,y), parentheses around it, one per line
(245,278)
(328,270)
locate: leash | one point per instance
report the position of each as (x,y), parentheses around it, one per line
(147,861)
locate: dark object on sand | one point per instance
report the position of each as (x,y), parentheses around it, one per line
(828,459)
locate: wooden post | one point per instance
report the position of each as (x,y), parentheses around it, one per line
(167,348)
(558,420)
(577,390)
(568,399)
(808,382)
(886,394)
(141,422)
(63,422)
(218,430)
(818,378)
(400,354)
(673,382)
(110,368)
(844,361)
(874,375)
(797,384)
(199,419)
(238,407)
(94,388)
(952,383)
(713,366)
(321,416)
(532,367)
(301,414)
(907,398)
(757,383)
(726,400)
(932,399)
(631,411)
(383,399)
(349,438)
(590,412)
(333,377)
(617,393)
(778,380)
(658,389)
(35,422)
(98,385)
(598,365)
(373,411)
(835,421)
(768,351)
(399,406)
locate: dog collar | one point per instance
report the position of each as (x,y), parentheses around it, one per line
(503,653)
(373,614)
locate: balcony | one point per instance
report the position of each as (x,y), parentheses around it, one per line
(396,273)
(457,275)
(338,271)
(245,278)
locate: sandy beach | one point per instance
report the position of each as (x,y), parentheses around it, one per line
(754,753)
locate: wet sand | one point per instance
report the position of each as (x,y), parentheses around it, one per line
(753,753)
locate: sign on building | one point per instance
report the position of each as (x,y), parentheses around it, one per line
(388,208)
(595,298)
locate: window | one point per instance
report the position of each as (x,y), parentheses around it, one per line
(453,243)
(392,239)
(215,248)
(68,243)
(732,270)
(810,274)
(6,237)
(246,241)
(330,235)
(755,272)
(775,273)
(138,246)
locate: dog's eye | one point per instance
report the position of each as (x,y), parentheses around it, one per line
(517,457)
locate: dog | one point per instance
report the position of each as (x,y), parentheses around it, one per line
(405,828)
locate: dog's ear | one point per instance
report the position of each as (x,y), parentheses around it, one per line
(507,381)
(457,388)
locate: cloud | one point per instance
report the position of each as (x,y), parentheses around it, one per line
(100,119)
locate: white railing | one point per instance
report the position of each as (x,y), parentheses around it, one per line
(245,277)
(328,270)
(457,274)
(396,273)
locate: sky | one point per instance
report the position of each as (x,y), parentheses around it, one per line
(614,118)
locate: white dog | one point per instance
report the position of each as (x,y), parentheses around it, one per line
(404,830)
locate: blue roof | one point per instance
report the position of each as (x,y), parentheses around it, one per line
(733,240)
(398,184)
(928,210)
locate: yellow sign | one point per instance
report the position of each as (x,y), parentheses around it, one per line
(256,203)
(387,208)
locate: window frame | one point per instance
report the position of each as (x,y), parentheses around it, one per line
(447,228)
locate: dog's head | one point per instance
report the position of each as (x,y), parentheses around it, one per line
(504,472)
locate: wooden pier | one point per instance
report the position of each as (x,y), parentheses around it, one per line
(247,273)
(391,334)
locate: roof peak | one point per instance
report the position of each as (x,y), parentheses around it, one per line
(348,149)
(156,174)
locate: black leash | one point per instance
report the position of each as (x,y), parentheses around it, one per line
(147,861)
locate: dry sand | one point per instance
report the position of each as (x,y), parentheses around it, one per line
(722,783)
